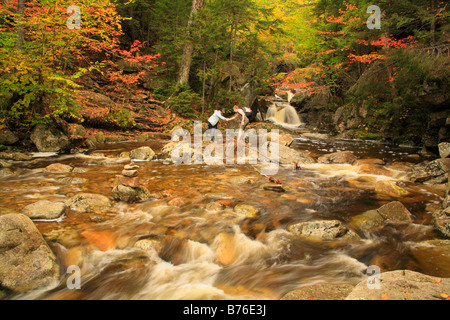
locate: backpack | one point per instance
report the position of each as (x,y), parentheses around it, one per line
(248,112)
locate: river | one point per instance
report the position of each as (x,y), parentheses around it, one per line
(198,247)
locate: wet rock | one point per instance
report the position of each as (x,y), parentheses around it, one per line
(129,182)
(129,194)
(323,230)
(239,181)
(15,156)
(176,202)
(143,153)
(395,212)
(100,137)
(247,210)
(5,163)
(6,172)
(273,187)
(49,139)
(369,221)
(390,188)
(402,285)
(427,171)
(149,244)
(441,222)
(8,138)
(225,249)
(289,155)
(374,169)
(130,173)
(73,180)
(26,261)
(338,157)
(375,220)
(368,161)
(44,209)
(88,202)
(283,139)
(444,149)
(58,168)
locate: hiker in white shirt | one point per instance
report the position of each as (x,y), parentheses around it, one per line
(213,121)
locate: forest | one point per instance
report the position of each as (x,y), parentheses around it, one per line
(357,68)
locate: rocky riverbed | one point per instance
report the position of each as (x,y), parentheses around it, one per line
(141,227)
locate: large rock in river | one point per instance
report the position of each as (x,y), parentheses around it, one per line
(88,202)
(26,261)
(323,230)
(44,209)
(49,139)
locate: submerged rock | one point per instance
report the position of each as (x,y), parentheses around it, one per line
(390,188)
(26,261)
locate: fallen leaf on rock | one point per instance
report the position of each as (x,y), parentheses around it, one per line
(384,296)
(436,281)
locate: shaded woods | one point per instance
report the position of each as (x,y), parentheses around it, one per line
(388,82)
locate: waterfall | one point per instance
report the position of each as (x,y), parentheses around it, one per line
(283,114)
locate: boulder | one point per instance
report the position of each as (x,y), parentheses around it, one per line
(143,153)
(8,138)
(426,171)
(338,157)
(44,209)
(444,149)
(395,212)
(369,221)
(402,285)
(49,139)
(15,156)
(6,172)
(323,230)
(441,222)
(289,155)
(58,168)
(129,194)
(88,202)
(26,261)
(375,220)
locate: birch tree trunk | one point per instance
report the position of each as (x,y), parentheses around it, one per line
(20,30)
(188,50)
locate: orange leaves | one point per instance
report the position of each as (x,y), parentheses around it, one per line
(384,296)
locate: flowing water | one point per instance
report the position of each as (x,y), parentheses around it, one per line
(198,245)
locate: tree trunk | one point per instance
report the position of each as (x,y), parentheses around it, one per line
(433,24)
(188,50)
(20,30)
